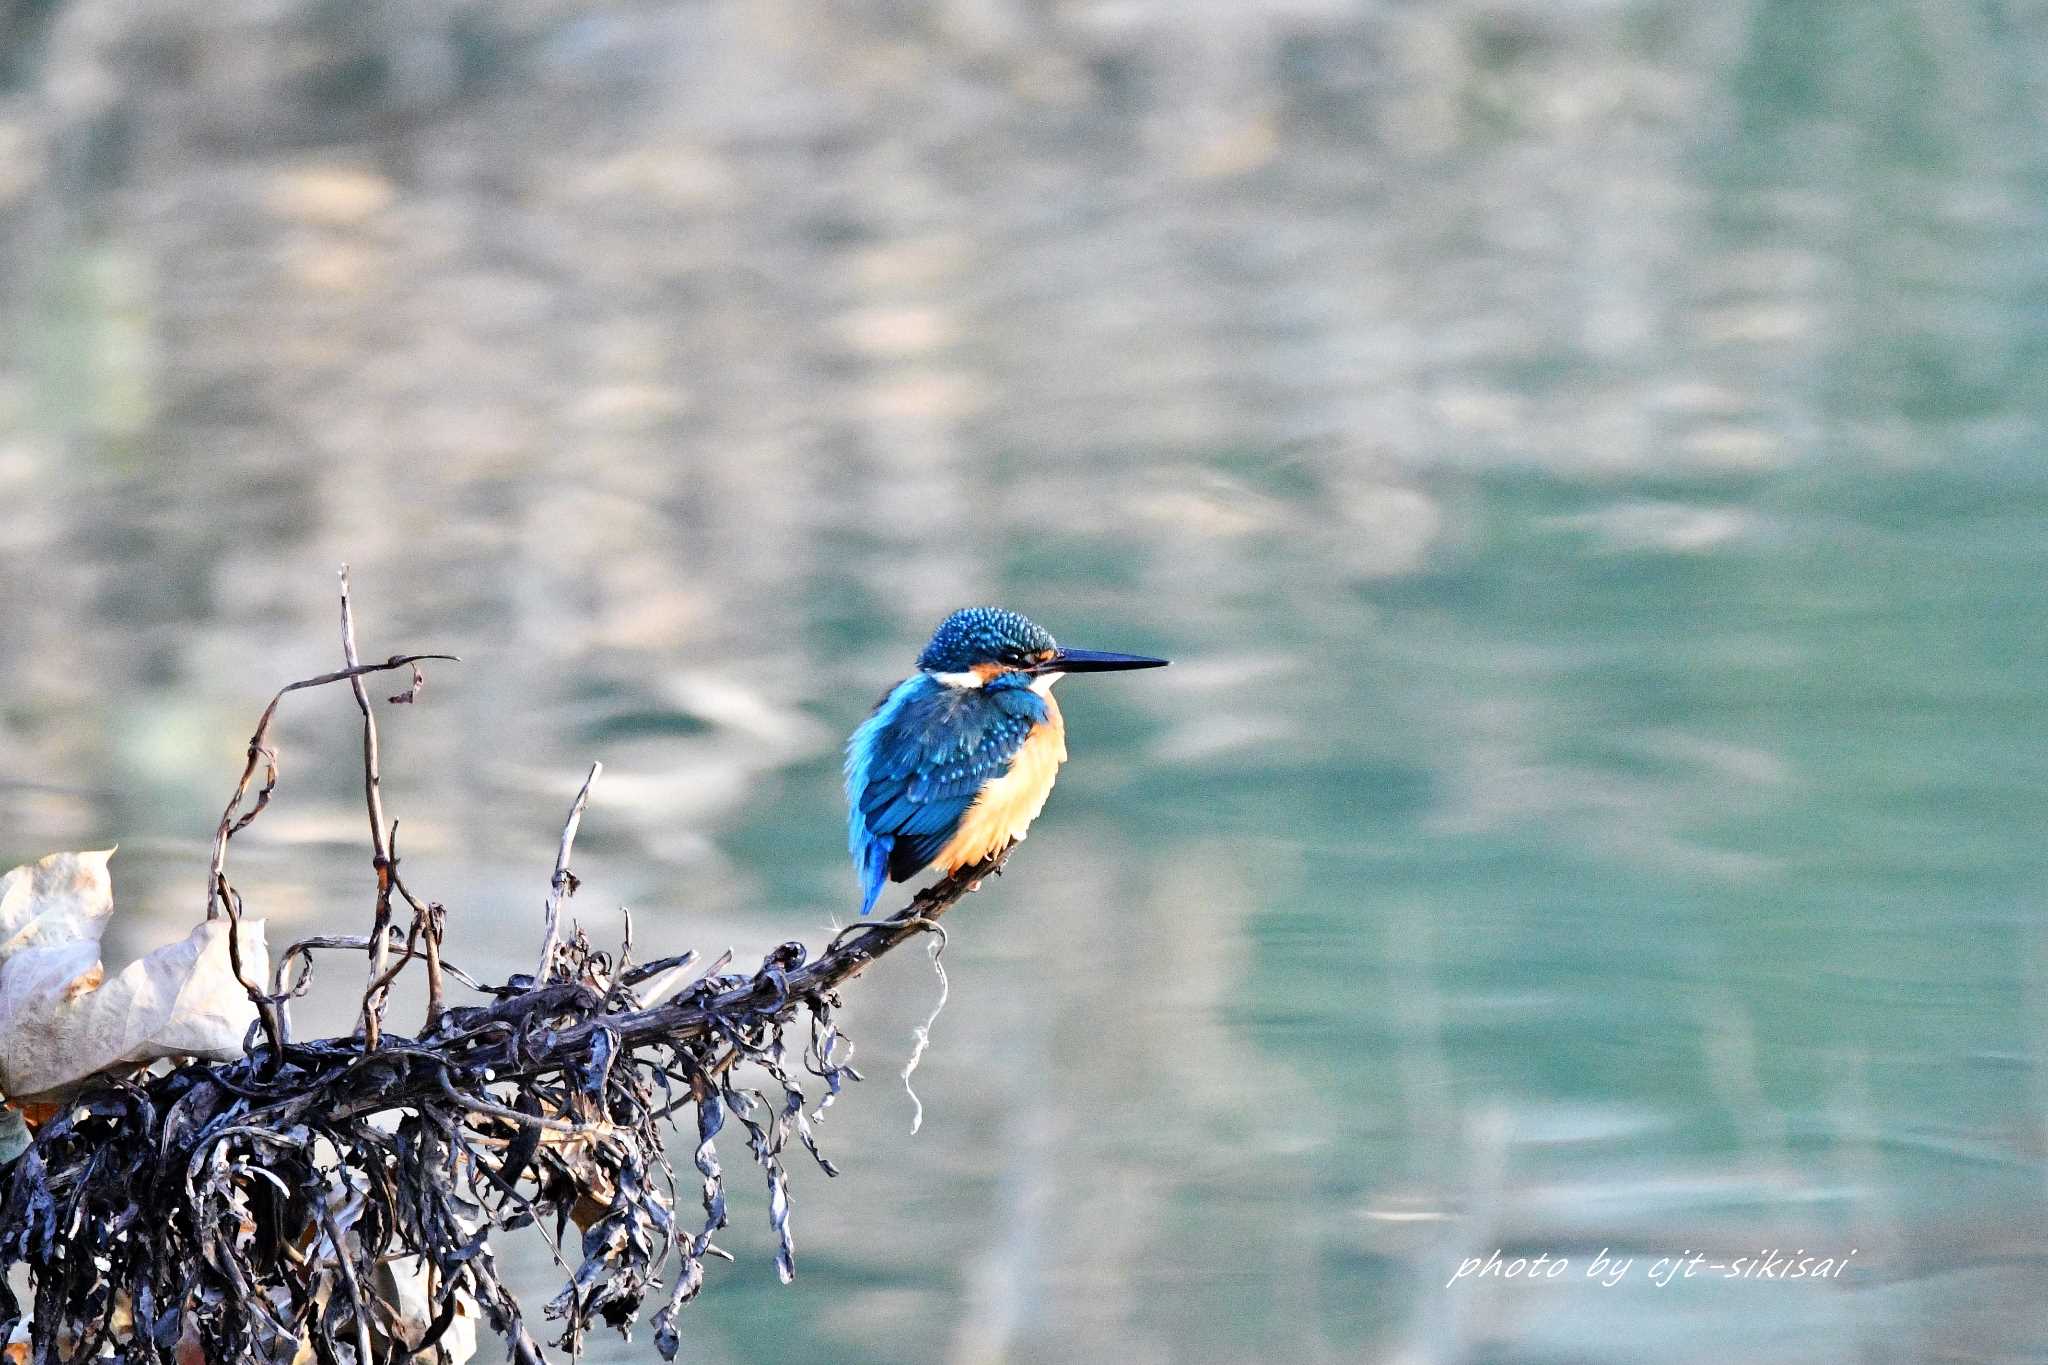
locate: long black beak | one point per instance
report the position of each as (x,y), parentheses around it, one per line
(1095,661)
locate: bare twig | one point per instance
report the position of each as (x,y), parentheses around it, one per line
(234,820)
(563,883)
(380,842)
(427,923)
(372,792)
(268,1011)
(220,895)
(437,924)
(358,942)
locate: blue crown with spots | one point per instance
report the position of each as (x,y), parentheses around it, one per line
(979,635)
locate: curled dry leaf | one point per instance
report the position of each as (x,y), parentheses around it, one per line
(62,1020)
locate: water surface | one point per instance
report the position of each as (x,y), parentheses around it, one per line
(1584,464)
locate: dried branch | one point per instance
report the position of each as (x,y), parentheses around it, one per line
(221,898)
(358,942)
(233,820)
(256,1210)
(380,842)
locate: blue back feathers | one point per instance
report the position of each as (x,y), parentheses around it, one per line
(916,765)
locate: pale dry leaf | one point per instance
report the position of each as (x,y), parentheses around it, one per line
(63,1020)
(404,1286)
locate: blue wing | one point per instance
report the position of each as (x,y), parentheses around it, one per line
(916,765)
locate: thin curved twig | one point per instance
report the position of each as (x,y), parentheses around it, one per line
(233,820)
(358,942)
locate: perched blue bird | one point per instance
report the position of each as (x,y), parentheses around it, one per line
(958,758)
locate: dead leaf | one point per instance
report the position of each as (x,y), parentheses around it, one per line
(63,1020)
(404,1287)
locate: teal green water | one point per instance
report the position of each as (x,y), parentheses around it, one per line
(1585,466)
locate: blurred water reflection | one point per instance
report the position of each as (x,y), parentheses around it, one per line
(1584,461)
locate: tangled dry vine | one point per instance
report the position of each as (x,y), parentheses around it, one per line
(341,1196)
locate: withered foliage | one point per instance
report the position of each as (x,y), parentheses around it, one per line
(342,1200)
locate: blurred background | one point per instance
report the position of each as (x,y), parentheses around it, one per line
(1583,459)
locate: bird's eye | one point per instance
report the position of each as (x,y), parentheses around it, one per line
(1013,657)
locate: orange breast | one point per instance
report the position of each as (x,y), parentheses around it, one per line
(1008,805)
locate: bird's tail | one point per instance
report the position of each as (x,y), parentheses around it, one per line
(874,869)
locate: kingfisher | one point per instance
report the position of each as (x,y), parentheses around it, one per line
(958,758)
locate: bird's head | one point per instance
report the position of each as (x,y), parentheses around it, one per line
(987,646)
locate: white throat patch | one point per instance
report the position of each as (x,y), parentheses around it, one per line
(1041,684)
